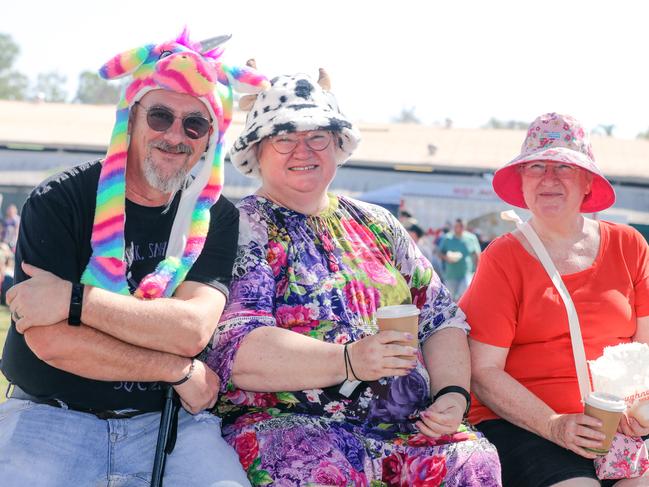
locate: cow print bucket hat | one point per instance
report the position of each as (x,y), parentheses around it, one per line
(293,103)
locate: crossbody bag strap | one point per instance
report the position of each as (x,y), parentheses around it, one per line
(573,319)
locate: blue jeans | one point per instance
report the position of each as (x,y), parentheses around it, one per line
(457,286)
(41,445)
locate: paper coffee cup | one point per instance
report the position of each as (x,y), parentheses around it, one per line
(608,408)
(402,317)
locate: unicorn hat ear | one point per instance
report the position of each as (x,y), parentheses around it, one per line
(126,62)
(243,79)
(247,101)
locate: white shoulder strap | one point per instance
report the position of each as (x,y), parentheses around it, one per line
(573,320)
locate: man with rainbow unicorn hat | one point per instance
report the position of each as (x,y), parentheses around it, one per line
(122,270)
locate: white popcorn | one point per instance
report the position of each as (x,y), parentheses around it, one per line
(623,370)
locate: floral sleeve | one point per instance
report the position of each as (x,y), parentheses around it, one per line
(438,310)
(252,290)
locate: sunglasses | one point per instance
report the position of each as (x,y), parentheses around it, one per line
(161,118)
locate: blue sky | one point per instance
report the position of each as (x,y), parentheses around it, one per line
(465,60)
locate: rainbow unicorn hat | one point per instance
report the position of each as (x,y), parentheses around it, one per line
(181,66)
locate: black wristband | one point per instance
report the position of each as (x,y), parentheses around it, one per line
(76,302)
(459,390)
(187,377)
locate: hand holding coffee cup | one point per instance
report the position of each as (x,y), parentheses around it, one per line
(403,317)
(609,409)
(373,357)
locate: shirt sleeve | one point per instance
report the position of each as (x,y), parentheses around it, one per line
(436,306)
(251,301)
(476,244)
(48,236)
(214,264)
(490,303)
(641,278)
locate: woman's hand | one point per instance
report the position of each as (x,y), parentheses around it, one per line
(201,390)
(381,355)
(631,427)
(443,417)
(576,432)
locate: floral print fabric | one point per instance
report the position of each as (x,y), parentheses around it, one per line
(627,458)
(324,276)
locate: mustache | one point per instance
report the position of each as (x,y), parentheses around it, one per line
(174,149)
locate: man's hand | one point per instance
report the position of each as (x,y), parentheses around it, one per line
(201,390)
(40,301)
(443,417)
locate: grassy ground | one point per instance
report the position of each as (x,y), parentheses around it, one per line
(4,326)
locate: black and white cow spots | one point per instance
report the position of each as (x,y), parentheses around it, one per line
(293,104)
(303,88)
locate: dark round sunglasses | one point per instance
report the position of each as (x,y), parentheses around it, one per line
(161,118)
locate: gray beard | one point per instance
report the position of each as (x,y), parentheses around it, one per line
(167,184)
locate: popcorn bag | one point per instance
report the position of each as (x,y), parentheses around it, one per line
(623,370)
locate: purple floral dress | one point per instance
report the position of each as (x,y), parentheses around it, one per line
(324,276)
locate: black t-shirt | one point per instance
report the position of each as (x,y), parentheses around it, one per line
(55,234)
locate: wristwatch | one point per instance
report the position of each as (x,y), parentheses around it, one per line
(76,301)
(459,390)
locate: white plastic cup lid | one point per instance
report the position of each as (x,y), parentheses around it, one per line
(397,311)
(606,401)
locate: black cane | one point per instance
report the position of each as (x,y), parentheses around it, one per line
(166,420)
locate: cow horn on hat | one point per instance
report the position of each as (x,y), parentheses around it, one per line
(323,79)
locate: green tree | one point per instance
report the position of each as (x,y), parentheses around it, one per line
(606,129)
(497,124)
(644,135)
(407,115)
(51,87)
(95,90)
(13,85)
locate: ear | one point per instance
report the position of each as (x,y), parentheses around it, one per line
(126,62)
(246,102)
(589,181)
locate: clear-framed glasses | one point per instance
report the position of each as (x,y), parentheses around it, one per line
(160,118)
(540,169)
(316,140)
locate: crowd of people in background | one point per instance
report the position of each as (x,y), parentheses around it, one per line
(8,237)
(453,250)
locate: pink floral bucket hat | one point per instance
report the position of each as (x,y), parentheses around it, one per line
(555,138)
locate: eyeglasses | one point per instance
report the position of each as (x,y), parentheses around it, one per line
(161,118)
(540,169)
(317,141)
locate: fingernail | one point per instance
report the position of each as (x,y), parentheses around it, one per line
(409,336)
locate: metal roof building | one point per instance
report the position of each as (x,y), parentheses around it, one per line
(439,173)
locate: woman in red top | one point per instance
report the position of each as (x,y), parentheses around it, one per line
(523,371)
